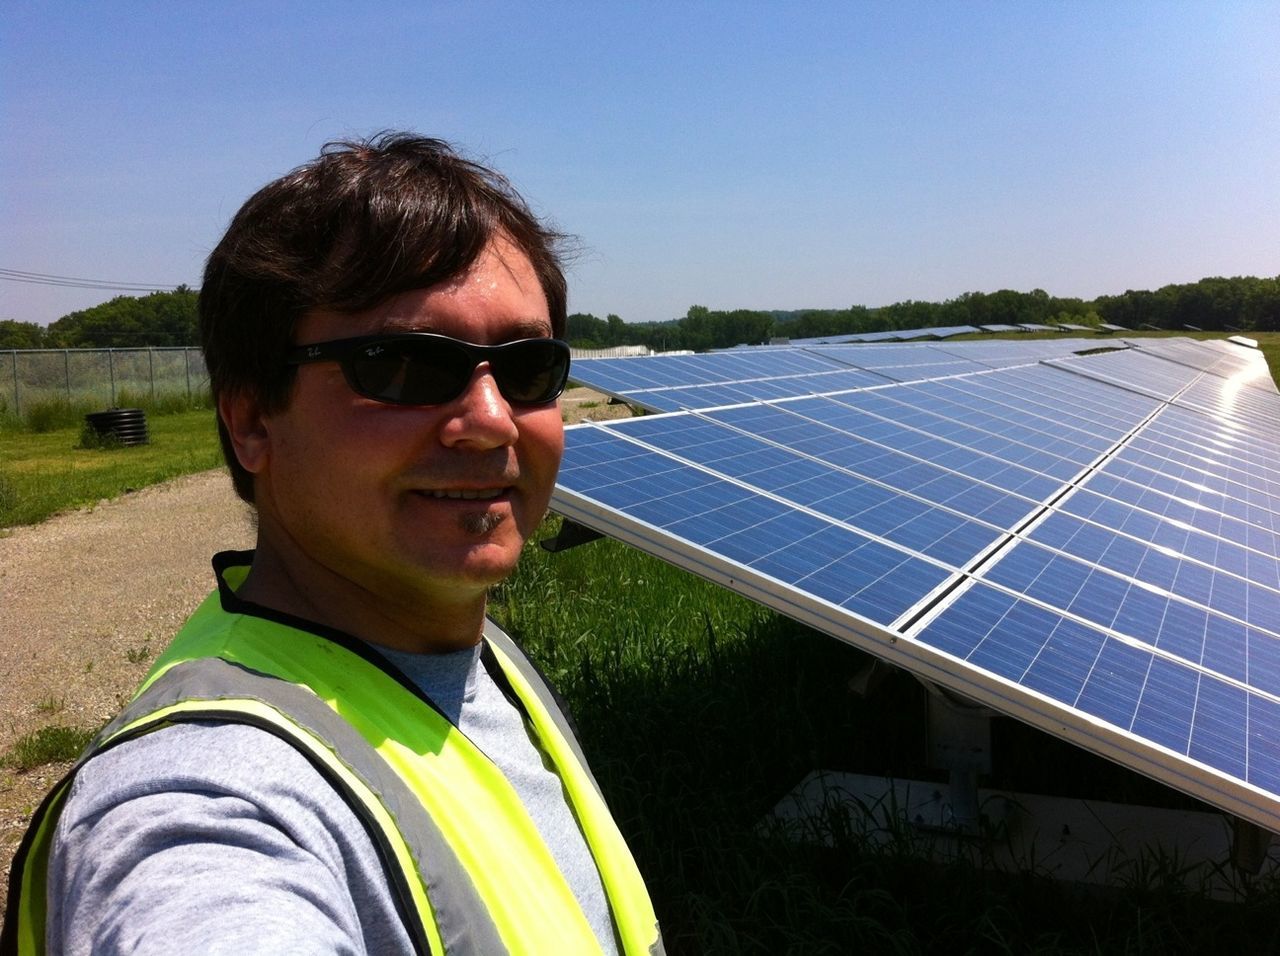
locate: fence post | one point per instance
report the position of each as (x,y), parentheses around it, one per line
(17,402)
(186,362)
(111,370)
(66,368)
(151,367)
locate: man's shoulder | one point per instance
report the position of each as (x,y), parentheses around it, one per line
(202,832)
(213,758)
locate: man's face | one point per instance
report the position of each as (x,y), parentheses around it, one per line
(416,502)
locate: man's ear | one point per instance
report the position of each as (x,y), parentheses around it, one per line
(246,426)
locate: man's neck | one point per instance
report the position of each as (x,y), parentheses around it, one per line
(409,619)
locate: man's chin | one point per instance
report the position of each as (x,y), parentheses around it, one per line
(475,568)
(482,523)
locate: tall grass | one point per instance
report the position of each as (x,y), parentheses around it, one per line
(43,472)
(58,411)
(51,744)
(700,710)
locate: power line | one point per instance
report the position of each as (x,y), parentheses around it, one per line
(74,282)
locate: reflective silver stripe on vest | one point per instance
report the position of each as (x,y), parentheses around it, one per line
(499,638)
(462,918)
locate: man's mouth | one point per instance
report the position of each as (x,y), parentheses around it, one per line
(465,494)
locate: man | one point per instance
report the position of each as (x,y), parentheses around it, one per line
(339,753)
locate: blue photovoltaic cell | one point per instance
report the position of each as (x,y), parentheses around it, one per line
(1101,532)
(1102,488)
(876,357)
(850,570)
(622,375)
(1146,471)
(1159,552)
(907,518)
(1263,717)
(1197,630)
(1115,683)
(1218,735)
(1173,704)
(933,420)
(1234,485)
(1133,369)
(1168,705)
(816,430)
(1017,398)
(1223,400)
(670,399)
(1090,407)
(821,428)
(1242,473)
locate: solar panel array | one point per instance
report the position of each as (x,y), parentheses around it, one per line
(893,335)
(1088,542)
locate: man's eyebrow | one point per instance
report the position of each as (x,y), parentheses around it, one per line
(520,329)
(533,328)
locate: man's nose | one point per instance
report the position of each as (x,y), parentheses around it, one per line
(481,415)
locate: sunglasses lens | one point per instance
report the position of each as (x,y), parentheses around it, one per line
(411,372)
(531,372)
(432,371)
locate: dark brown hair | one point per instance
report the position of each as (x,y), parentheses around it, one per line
(362,222)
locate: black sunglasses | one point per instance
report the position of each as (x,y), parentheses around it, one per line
(421,368)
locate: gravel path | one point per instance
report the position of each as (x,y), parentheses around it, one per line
(87,600)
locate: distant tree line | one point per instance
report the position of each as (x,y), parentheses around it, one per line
(161,318)
(1240,304)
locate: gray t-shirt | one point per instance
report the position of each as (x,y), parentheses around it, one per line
(220,838)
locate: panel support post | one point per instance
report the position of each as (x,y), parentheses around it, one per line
(1249,845)
(571,535)
(960,743)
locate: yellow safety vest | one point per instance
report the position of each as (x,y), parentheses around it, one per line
(439,811)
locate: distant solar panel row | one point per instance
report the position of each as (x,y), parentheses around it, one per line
(894,335)
(661,383)
(1087,542)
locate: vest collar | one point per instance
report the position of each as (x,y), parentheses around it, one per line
(230,569)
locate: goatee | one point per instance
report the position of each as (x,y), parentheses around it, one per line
(481,524)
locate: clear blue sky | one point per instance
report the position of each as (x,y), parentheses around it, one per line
(756,155)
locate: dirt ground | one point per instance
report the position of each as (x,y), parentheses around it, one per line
(90,597)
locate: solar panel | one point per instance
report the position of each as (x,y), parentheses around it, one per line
(1087,542)
(893,335)
(829,339)
(910,335)
(670,383)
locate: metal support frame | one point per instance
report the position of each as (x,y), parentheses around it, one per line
(1249,846)
(1087,841)
(571,535)
(960,743)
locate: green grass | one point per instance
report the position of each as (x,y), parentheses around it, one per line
(1269,346)
(699,710)
(51,705)
(42,473)
(55,410)
(140,654)
(54,744)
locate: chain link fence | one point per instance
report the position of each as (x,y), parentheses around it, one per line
(108,378)
(104,378)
